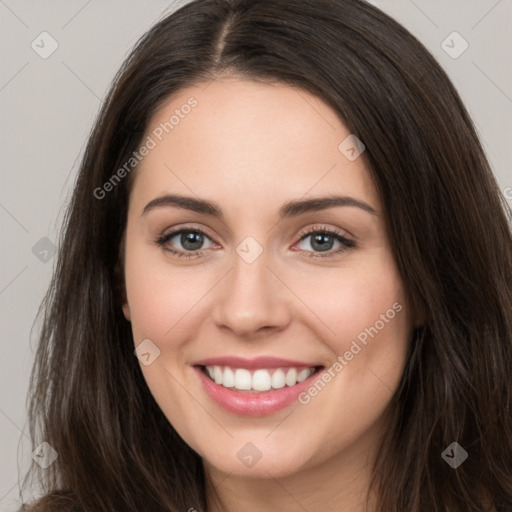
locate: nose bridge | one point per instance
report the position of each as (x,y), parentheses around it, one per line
(251,297)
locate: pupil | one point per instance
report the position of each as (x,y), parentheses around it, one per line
(323,241)
(189,239)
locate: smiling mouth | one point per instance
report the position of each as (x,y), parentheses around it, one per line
(259,380)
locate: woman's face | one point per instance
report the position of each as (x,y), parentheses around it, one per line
(270,281)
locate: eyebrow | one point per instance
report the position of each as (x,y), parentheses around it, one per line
(289,209)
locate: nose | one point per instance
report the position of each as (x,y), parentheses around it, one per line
(252,300)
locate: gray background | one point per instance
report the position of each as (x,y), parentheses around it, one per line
(47,107)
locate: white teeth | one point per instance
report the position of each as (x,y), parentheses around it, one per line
(278,380)
(217,374)
(228,380)
(260,380)
(303,375)
(291,377)
(243,379)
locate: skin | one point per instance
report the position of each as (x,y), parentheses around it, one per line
(251,147)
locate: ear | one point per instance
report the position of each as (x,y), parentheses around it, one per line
(126,311)
(119,279)
(121,293)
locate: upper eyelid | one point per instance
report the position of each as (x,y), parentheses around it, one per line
(334,231)
(173,232)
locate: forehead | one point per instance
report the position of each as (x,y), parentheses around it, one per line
(248,143)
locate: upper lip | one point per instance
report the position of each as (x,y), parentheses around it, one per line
(258,362)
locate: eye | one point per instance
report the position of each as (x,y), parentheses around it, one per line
(323,239)
(191,241)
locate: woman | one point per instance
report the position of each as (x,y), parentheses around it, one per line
(284,281)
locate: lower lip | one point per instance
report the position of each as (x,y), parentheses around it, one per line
(253,404)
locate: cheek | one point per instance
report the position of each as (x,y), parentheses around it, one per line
(160,295)
(345,302)
(161,300)
(363,312)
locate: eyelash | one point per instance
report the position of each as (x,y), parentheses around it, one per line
(345,242)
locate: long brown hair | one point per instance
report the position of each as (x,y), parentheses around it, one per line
(449,232)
